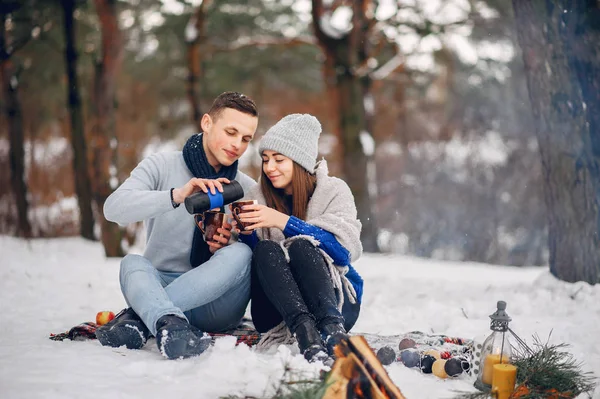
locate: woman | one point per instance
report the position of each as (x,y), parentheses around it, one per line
(304,234)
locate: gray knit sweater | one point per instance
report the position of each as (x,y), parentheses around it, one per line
(331,208)
(145,196)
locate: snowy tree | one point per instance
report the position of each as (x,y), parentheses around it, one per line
(104,134)
(83,186)
(12,108)
(560,51)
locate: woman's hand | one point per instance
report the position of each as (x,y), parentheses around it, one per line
(262,216)
(245,232)
(220,239)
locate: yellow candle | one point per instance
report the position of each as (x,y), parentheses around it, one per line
(504,377)
(488,367)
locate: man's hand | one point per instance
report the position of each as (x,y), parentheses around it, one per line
(195,185)
(263,216)
(221,239)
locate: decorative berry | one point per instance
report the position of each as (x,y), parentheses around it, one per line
(410,358)
(446,355)
(453,367)
(386,355)
(438,368)
(426,363)
(407,343)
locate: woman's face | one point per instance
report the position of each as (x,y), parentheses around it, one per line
(278,168)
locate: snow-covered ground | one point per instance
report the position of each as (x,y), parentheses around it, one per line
(51,285)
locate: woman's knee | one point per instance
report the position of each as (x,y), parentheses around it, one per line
(304,254)
(267,247)
(267,255)
(266,250)
(302,246)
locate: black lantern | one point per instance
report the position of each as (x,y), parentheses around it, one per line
(496,347)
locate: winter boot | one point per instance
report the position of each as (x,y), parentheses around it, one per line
(333,334)
(310,343)
(125,329)
(176,338)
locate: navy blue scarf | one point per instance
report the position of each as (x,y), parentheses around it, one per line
(195,159)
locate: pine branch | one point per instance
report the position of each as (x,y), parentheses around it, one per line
(544,371)
(290,387)
(551,367)
(472,395)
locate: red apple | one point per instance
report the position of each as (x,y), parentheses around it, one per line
(104,317)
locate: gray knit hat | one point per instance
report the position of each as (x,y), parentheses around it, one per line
(297,137)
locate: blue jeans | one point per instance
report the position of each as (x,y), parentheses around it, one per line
(212,296)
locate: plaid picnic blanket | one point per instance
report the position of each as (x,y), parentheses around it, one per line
(244,333)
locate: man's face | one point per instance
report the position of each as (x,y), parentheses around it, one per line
(227,137)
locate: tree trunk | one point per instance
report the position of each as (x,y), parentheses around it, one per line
(565,107)
(336,157)
(344,56)
(104,129)
(14,118)
(83,186)
(194,60)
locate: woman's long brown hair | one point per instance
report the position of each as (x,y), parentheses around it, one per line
(303,187)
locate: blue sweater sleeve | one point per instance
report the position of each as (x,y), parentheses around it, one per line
(329,244)
(356,281)
(249,239)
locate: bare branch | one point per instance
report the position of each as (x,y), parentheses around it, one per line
(265,41)
(389,67)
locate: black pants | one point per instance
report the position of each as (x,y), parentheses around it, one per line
(296,291)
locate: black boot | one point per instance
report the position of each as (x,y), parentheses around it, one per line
(310,343)
(125,329)
(333,334)
(176,338)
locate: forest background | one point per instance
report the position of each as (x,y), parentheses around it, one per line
(455,144)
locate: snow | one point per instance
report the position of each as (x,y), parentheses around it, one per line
(156,145)
(51,285)
(386,9)
(47,152)
(341,19)
(172,6)
(489,150)
(250,157)
(191,33)
(367,142)
(337,24)
(485,11)
(64,209)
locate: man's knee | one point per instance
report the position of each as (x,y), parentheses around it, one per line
(238,256)
(132,263)
(237,249)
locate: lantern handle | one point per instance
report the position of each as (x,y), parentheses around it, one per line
(521,342)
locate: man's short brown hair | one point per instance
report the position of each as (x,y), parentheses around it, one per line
(233,100)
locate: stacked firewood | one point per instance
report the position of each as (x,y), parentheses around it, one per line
(357,373)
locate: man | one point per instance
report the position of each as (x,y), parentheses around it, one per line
(183,286)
